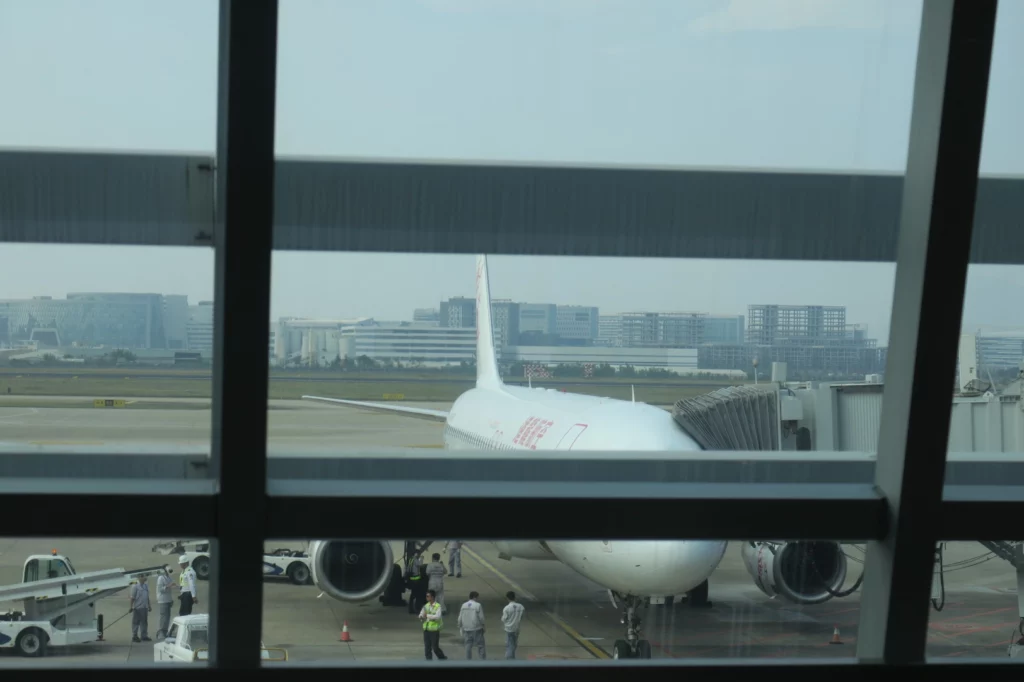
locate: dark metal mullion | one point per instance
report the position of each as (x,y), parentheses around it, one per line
(243,240)
(950,90)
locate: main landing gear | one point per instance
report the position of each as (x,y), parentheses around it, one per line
(632,646)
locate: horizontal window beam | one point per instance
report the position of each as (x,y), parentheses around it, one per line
(346,205)
(99,198)
(693,670)
(419,509)
(963,470)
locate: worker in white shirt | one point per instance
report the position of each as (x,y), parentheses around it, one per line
(511,618)
(187,585)
(140,606)
(164,601)
(472,626)
(435,580)
(454,549)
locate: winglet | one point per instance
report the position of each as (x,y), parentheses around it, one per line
(487,374)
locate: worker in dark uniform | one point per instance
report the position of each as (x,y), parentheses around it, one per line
(418,590)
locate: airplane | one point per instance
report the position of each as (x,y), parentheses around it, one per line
(499,417)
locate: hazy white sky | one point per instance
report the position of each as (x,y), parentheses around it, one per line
(802,84)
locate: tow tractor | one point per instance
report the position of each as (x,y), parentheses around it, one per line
(59,605)
(188,641)
(280,563)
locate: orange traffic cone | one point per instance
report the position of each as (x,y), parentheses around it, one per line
(345,637)
(835,636)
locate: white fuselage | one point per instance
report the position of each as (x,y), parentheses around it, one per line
(515,418)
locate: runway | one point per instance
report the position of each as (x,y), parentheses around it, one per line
(568,617)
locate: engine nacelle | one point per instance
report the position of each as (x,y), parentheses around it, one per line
(351,570)
(802,572)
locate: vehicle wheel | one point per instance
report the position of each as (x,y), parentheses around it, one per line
(698,597)
(31,642)
(299,573)
(621,649)
(201,565)
(643,649)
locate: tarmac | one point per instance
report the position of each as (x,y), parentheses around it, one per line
(567,616)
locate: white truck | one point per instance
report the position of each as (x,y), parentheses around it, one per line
(188,641)
(59,605)
(281,563)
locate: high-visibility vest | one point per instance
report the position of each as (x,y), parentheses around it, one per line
(433,609)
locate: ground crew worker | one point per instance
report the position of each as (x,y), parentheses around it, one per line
(139,607)
(432,624)
(454,549)
(164,600)
(187,586)
(512,618)
(472,626)
(418,590)
(436,573)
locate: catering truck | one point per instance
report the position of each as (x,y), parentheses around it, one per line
(58,604)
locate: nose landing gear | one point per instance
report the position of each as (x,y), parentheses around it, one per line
(633,646)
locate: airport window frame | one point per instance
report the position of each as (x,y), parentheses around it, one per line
(239,203)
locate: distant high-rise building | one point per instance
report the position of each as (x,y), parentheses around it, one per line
(153,305)
(426,315)
(576,322)
(458,312)
(175,308)
(665,330)
(199,327)
(609,330)
(724,329)
(769,324)
(505,321)
(537,318)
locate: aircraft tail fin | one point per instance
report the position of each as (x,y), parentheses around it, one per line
(487,374)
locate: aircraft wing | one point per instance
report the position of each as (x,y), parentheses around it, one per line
(417,412)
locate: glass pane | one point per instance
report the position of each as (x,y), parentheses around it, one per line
(106,349)
(986,404)
(700,599)
(975,612)
(571,336)
(109,75)
(768,83)
(96,602)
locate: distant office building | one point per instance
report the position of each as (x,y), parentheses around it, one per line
(505,321)
(663,330)
(999,350)
(108,308)
(175,311)
(609,330)
(85,320)
(576,322)
(769,324)
(408,343)
(537,319)
(199,327)
(724,329)
(426,315)
(458,312)
(675,359)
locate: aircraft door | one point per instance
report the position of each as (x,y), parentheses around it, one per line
(571,436)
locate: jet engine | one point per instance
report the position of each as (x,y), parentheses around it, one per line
(802,572)
(351,570)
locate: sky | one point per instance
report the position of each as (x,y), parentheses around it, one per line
(796,84)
